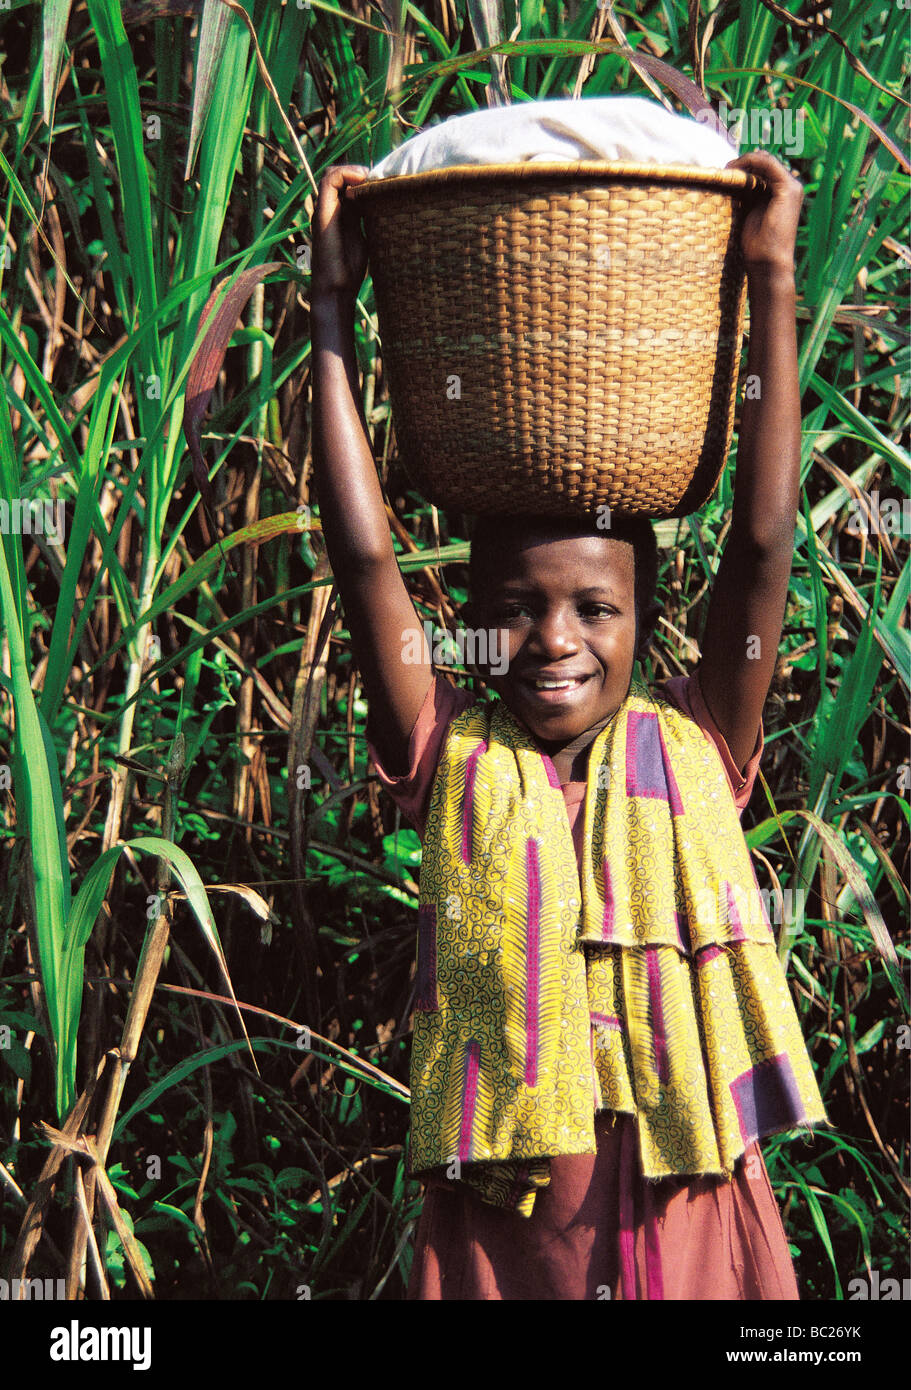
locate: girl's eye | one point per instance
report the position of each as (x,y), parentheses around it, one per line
(597,610)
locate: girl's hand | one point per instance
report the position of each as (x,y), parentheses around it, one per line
(339,248)
(770,228)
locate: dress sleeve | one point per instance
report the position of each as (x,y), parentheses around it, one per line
(685,692)
(411,790)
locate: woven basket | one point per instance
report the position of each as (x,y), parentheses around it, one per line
(557,337)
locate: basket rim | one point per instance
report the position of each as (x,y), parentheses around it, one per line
(582,170)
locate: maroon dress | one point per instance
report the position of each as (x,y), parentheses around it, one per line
(598,1230)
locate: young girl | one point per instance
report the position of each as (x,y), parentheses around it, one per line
(590,1071)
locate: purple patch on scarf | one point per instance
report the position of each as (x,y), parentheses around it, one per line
(426,1001)
(656,1008)
(532,960)
(707,953)
(648,768)
(471,768)
(608,1021)
(469,1097)
(767,1098)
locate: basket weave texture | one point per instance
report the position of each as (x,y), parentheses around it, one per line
(560,337)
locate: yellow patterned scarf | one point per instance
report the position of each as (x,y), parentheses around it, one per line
(541,998)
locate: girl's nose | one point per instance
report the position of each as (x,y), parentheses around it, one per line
(556,635)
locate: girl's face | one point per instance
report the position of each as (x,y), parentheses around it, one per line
(566,610)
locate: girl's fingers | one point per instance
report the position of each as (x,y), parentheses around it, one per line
(332,189)
(337,176)
(767,167)
(339,246)
(770,227)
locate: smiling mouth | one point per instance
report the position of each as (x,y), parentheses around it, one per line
(543,686)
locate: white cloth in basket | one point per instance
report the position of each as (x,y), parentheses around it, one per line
(627,128)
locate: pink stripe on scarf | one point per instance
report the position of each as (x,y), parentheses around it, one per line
(471,768)
(553,775)
(469,1097)
(532,960)
(607,925)
(657,1012)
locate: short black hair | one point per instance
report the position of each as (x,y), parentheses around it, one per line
(489,532)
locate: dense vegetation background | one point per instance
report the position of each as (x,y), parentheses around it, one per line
(184,772)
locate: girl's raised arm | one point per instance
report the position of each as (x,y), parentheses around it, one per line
(380,615)
(746,609)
